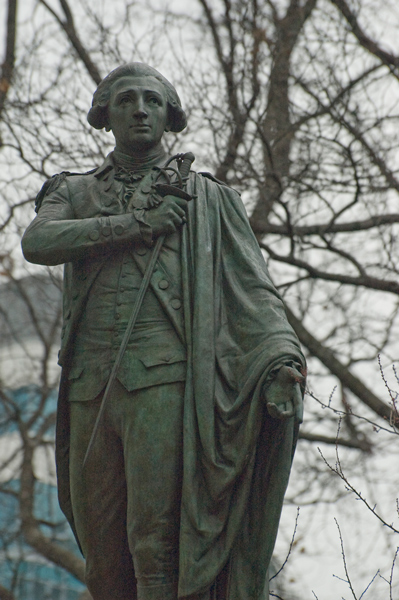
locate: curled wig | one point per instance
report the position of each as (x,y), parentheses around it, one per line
(98,114)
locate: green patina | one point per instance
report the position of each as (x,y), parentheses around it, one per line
(210,382)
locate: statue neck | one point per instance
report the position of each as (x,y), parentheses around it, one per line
(156,157)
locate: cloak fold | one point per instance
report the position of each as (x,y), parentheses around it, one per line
(237,459)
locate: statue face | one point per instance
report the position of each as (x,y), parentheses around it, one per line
(137,113)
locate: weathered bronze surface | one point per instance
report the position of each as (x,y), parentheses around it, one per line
(183,488)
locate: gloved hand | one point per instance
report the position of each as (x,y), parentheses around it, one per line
(283,394)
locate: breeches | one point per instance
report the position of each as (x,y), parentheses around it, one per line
(126,501)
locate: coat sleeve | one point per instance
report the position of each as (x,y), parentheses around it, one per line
(56,236)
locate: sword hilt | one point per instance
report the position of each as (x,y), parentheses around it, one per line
(185,165)
(176,186)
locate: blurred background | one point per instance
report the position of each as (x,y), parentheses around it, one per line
(295,104)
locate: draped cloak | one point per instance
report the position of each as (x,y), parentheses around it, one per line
(237,459)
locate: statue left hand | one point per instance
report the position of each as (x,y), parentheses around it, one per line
(283,394)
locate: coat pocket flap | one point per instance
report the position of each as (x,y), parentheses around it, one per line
(159,357)
(75,372)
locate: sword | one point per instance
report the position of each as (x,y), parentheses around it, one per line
(161,189)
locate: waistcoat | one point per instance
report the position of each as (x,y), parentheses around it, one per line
(155,354)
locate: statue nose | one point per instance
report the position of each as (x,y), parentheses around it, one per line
(139,110)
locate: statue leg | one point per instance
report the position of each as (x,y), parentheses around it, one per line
(99,501)
(153,449)
(126,503)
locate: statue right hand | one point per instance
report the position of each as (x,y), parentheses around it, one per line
(167,217)
(283,394)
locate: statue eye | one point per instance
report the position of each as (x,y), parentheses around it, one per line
(154,100)
(125,100)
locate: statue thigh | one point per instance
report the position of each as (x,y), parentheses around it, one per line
(126,502)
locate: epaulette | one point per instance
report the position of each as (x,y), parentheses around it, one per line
(212,178)
(53,183)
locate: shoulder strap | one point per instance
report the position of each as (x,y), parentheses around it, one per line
(53,183)
(212,178)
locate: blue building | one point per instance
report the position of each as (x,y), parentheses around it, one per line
(23,571)
(29,336)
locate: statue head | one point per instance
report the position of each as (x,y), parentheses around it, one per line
(98,114)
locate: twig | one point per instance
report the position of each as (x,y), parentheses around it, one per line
(391,575)
(342,413)
(338,471)
(291,546)
(348,581)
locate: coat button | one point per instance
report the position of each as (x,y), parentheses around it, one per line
(175,303)
(119,229)
(106,231)
(141,250)
(94,235)
(163,284)
(128,195)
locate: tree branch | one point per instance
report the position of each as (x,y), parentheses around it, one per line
(7,68)
(69,27)
(363,280)
(339,118)
(29,525)
(322,228)
(12,210)
(370,45)
(238,117)
(334,441)
(6,594)
(276,130)
(348,380)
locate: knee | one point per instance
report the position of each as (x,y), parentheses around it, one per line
(155,554)
(111,579)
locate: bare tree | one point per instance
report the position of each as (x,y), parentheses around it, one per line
(293,103)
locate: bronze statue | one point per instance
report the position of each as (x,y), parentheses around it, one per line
(181,493)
